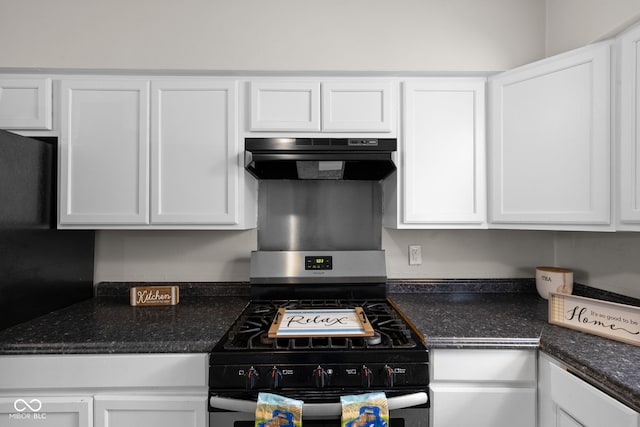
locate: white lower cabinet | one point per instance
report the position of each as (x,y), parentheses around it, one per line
(567,401)
(150,411)
(27,409)
(483,388)
(115,390)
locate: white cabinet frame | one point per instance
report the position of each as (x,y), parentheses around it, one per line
(357,107)
(45,410)
(629,151)
(136,410)
(550,143)
(339,106)
(194,152)
(285,106)
(104,152)
(443,153)
(483,387)
(25,103)
(564,400)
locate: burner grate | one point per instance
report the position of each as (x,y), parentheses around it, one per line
(249,332)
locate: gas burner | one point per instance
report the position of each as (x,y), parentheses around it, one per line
(265,340)
(375,339)
(249,332)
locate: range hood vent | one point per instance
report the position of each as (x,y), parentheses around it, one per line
(363,159)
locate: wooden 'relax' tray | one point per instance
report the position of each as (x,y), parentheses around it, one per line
(349,322)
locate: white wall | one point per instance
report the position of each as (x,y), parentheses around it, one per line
(574,23)
(167,256)
(370,35)
(608,261)
(468,253)
(275,34)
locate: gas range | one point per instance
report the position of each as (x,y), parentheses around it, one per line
(316,368)
(391,357)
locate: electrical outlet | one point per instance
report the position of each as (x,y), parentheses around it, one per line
(415,255)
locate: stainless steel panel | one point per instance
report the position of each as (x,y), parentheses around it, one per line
(319,215)
(289,267)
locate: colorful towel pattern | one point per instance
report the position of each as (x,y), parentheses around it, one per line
(278,411)
(365,410)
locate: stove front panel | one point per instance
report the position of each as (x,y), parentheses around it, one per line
(326,376)
(247,361)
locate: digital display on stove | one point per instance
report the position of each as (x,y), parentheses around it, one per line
(318,263)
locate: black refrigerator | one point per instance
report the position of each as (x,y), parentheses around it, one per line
(41,268)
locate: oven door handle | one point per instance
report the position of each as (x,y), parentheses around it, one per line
(324,410)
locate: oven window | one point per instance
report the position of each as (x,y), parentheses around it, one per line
(393,422)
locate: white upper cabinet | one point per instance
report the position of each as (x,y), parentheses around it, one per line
(25,103)
(357,107)
(549,143)
(194,149)
(285,106)
(104,148)
(314,106)
(188,176)
(629,153)
(441,177)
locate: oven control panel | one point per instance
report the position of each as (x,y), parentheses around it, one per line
(318,263)
(322,376)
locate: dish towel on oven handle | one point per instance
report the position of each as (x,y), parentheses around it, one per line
(365,410)
(274,410)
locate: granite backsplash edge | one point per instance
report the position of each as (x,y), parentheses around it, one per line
(394,286)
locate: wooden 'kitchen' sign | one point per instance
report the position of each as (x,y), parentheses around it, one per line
(154,295)
(320,323)
(619,322)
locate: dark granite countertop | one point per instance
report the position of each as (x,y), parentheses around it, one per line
(111,325)
(504,317)
(513,320)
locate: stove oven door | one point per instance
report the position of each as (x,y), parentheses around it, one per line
(409,410)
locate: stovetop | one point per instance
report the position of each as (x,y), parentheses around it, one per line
(246,360)
(249,332)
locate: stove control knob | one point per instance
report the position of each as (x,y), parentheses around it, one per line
(251,378)
(275,378)
(320,377)
(389,376)
(366,375)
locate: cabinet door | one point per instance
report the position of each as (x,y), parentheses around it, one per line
(150,411)
(585,405)
(285,106)
(477,406)
(488,387)
(550,141)
(630,130)
(443,159)
(565,420)
(43,411)
(104,149)
(357,107)
(25,103)
(195,155)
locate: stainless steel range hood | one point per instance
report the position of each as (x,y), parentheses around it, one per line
(362,159)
